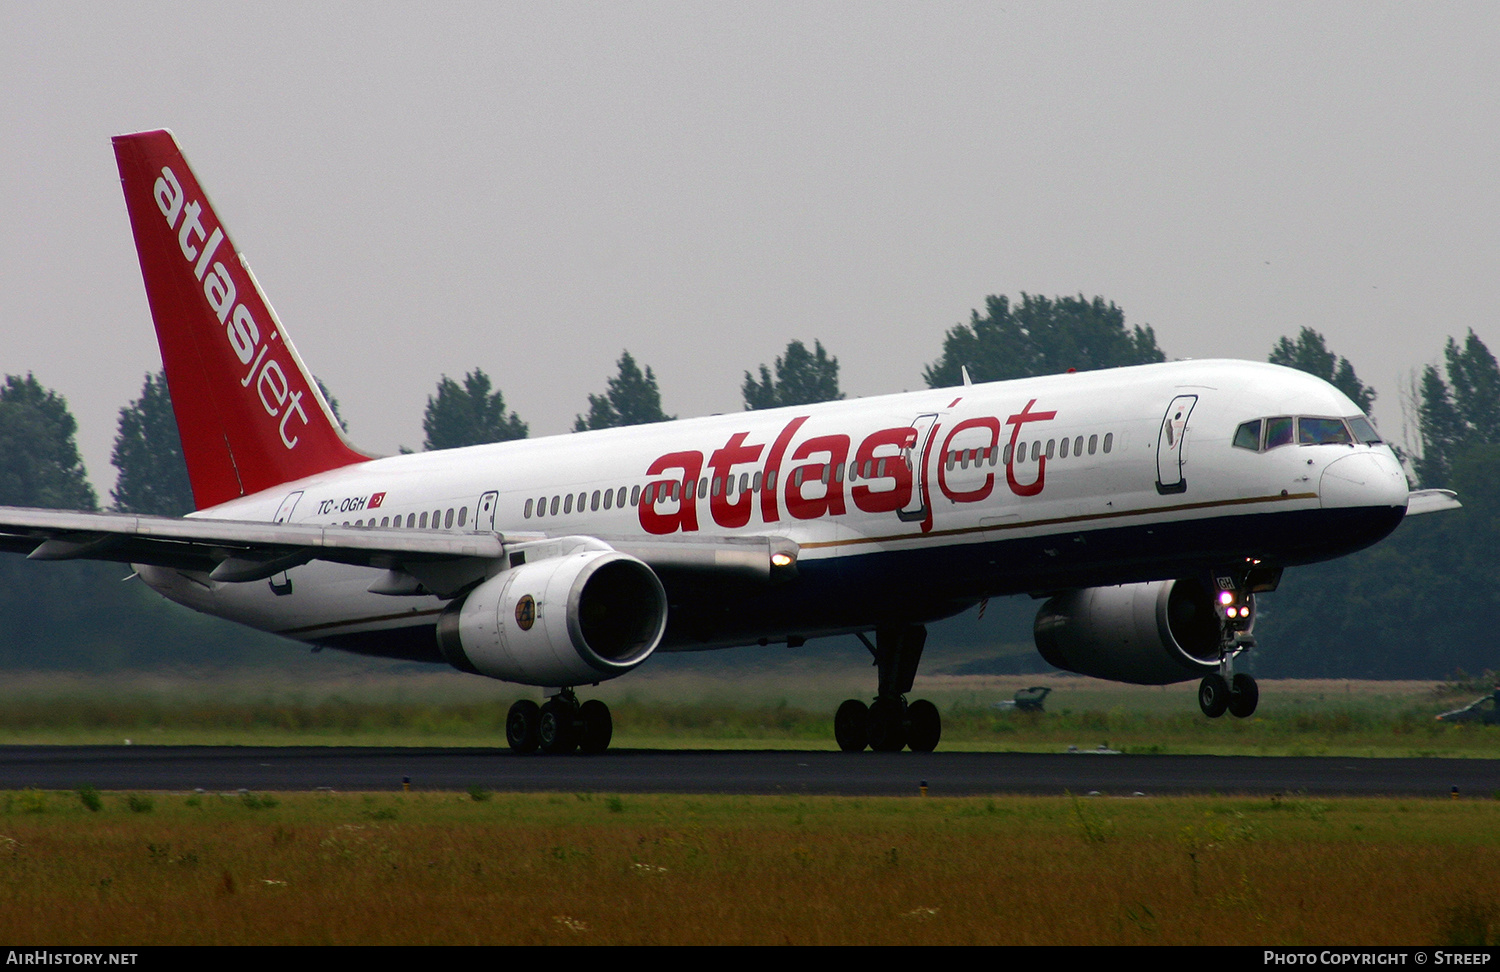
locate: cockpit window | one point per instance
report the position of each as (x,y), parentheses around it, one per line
(1363,430)
(1247,436)
(1322,431)
(1278,431)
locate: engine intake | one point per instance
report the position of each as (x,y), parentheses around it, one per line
(583,617)
(1147,634)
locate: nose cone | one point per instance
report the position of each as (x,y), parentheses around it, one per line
(1363,479)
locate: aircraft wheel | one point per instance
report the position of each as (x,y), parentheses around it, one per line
(886,726)
(521,726)
(598,727)
(850,726)
(924,727)
(1244,696)
(1213,695)
(555,730)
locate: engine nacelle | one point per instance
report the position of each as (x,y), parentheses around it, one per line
(565,620)
(1147,634)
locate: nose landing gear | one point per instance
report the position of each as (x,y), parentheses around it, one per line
(1227,690)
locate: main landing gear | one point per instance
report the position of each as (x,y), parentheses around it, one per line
(890,723)
(559,725)
(1226,690)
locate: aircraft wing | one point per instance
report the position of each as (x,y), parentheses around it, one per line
(240,550)
(1420,501)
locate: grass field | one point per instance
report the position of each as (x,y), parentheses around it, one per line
(783,708)
(133,869)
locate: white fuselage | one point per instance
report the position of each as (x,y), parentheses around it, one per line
(913,505)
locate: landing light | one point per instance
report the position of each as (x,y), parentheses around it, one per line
(1226,598)
(781,560)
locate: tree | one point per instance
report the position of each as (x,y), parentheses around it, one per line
(631,398)
(1459,414)
(153,476)
(1421,604)
(802,378)
(41,466)
(1310,353)
(469,415)
(1041,337)
(333,403)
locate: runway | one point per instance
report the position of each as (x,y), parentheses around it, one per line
(221,768)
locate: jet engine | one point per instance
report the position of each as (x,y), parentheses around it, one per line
(566,620)
(1147,634)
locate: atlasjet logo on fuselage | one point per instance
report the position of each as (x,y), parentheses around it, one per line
(884,475)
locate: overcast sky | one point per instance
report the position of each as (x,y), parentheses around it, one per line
(531,188)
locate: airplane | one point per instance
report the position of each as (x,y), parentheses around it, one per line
(1148,505)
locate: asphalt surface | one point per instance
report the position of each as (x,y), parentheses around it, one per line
(221,768)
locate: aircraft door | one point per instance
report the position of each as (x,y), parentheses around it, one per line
(484,518)
(281,584)
(284,511)
(1170,445)
(915,456)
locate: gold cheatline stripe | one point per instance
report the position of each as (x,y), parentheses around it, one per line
(371,620)
(1082,518)
(892,538)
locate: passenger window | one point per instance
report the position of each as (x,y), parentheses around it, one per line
(1278,431)
(1109,441)
(880,469)
(568,503)
(771,479)
(635,496)
(411,520)
(1093,444)
(1322,431)
(620,497)
(594,502)
(1062,452)
(463,515)
(424,521)
(1009,453)
(1247,436)
(1051,447)
(527,512)
(1078,446)
(552,510)
(448,520)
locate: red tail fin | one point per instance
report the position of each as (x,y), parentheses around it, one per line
(249,414)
